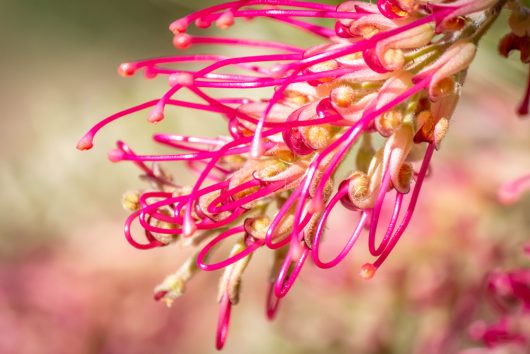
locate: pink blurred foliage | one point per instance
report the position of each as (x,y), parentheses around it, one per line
(53,302)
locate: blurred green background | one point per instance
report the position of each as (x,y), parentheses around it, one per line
(71,284)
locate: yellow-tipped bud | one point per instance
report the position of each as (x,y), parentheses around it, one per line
(439,131)
(387,123)
(317,137)
(131,200)
(359,186)
(343,96)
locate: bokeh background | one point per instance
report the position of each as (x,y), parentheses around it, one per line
(69,283)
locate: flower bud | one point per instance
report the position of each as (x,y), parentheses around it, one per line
(369,25)
(388,122)
(403,179)
(257,227)
(358,187)
(439,131)
(342,96)
(131,200)
(174,285)
(317,137)
(456,59)
(230,282)
(396,151)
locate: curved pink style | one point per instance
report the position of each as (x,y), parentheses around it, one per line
(231,260)
(225,310)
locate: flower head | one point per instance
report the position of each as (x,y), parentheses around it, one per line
(392,70)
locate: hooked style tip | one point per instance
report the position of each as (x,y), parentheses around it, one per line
(116,155)
(178,26)
(156,115)
(225,21)
(367,271)
(85,143)
(182,41)
(127,69)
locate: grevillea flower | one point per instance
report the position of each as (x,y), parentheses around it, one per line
(383,85)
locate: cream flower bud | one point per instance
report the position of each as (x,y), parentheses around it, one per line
(230,282)
(257,227)
(388,122)
(358,186)
(389,51)
(456,59)
(439,131)
(396,151)
(174,285)
(403,179)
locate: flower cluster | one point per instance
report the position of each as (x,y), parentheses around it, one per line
(382,85)
(509,295)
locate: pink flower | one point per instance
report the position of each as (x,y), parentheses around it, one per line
(392,69)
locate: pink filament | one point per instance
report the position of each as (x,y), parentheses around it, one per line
(320,230)
(246,42)
(231,260)
(225,309)
(279,13)
(285,280)
(237,4)
(376,251)
(410,210)
(272,303)
(309,27)
(153,243)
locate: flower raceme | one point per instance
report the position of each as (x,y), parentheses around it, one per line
(382,85)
